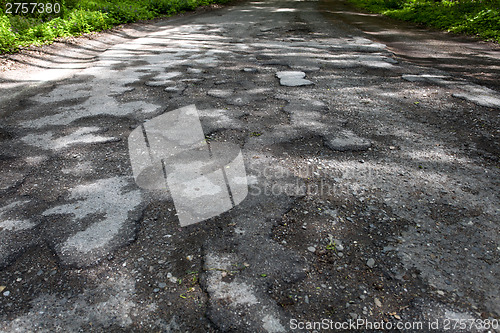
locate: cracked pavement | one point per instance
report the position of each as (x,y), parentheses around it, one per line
(373,182)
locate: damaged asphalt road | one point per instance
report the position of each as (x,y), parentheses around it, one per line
(372,183)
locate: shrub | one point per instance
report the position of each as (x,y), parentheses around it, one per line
(480,17)
(124,12)
(21,24)
(7,36)
(485,23)
(160,7)
(84,21)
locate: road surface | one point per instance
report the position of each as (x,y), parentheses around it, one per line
(372,181)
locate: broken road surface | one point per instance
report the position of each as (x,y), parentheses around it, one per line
(372,183)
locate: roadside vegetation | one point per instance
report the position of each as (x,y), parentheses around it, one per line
(36,22)
(472,17)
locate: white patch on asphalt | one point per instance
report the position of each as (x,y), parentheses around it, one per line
(272,325)
(16,225)
(61,93)
(201,187)
(307,119)
(35,160)
(469,91)
(293,79)
(111,303)
(105,196)
(235,292)
(375,61)
(162,79)
(425,78)
(81,136)
(346,140)
(216,119)
(240,295)
(207,61)
(9,179)
(79,169)
(192,70)
(479,95)
(13,224)
(220,93)
(458,316)
(100,99)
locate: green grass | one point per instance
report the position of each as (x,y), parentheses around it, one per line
(472,17)
(78,17)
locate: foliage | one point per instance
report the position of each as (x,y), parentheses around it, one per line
(477,17)
(7,36)
(84,16)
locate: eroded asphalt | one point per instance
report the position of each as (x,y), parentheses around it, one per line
(373,183)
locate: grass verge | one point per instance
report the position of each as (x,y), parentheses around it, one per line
(472,17)
(41,22)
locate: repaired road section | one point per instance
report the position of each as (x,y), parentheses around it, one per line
(373,182)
